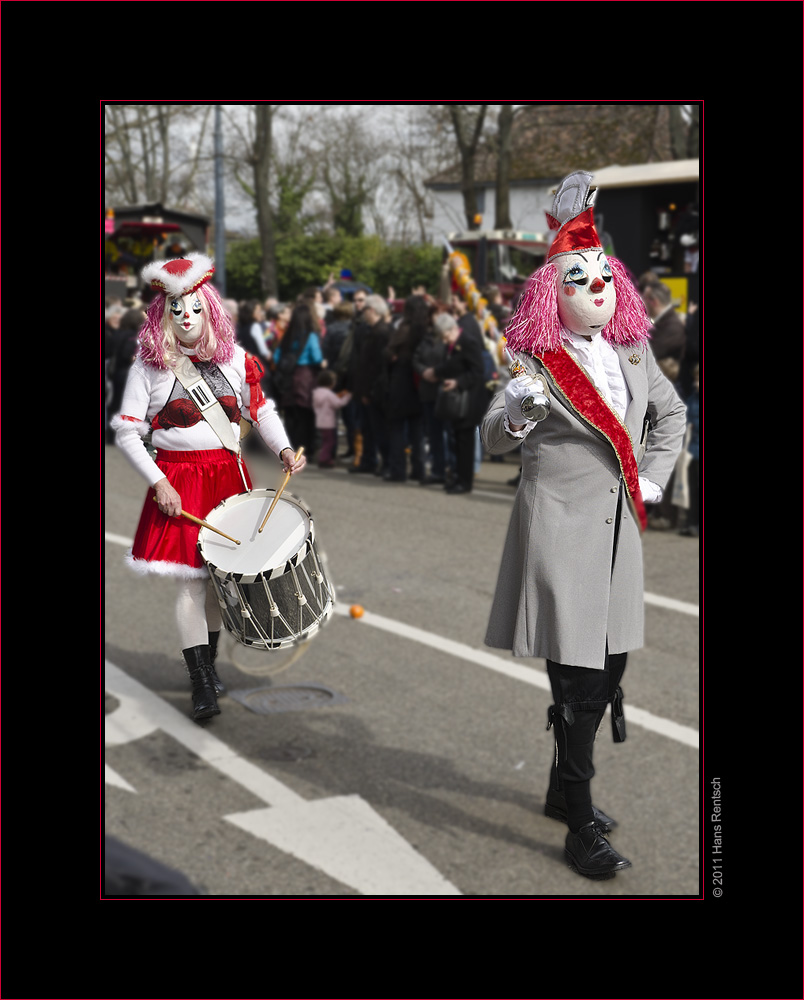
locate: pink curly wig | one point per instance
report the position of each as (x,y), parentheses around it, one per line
(159,346)
(535,327)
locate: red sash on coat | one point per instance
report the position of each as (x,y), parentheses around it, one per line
(581,393)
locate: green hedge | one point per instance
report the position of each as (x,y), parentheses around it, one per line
(310,260)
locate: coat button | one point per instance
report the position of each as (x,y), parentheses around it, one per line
(609,520)
(613,489)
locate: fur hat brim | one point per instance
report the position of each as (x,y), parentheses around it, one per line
(179,276)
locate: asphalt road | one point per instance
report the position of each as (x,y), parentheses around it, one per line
(394,754)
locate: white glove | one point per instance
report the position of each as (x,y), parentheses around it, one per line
(651,493)
(517,390)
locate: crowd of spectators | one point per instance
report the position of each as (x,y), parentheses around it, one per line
(367,382)
(397,389)
(675,342)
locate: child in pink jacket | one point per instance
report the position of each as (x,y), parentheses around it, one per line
(326,403)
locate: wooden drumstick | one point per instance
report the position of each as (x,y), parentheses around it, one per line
(286,480)
(206,524)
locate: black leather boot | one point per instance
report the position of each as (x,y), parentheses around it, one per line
(588,853)
(213,653)
(205,702)
(555,803)
(555,806)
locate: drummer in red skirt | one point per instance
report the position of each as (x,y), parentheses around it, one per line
(197,464)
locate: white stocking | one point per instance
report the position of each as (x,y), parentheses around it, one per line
(214,620)
(190,613)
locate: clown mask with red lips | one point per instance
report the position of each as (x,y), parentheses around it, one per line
(586,295)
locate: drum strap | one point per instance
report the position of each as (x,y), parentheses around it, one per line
(211,410)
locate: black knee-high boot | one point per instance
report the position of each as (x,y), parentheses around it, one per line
(205,702)
(581,697)
(555,805)
(213,653)
(595,691)
(569,797)
(586,849)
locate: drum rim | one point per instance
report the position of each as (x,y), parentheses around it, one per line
(280,570)
(260,490)
(293,640)
(271,574)
(320,602)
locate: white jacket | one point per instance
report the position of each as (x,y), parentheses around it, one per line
(148,390)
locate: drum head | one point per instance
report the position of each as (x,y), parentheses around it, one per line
(284,534)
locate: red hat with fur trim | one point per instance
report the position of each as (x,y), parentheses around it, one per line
(180,276)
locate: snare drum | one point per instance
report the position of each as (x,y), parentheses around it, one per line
(272,588)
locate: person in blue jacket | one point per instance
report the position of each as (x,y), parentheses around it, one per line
(297,361)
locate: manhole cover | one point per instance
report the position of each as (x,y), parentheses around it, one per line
(288,698)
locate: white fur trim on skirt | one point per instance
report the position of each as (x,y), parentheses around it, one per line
(161,568)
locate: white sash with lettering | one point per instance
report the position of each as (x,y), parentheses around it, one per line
(211,409)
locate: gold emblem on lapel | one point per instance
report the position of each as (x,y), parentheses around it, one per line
(635,359)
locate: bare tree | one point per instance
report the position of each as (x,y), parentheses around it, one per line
(467,122)
(684,130)
(154,152)
(351,152)
(253,148)
(421,146)
(263,114)
(502,145)
(295,169)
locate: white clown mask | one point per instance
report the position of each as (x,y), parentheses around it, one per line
(186,317)
(586,295)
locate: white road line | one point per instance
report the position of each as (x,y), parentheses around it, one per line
(113,778)
(510,668)
(517,671)
(342,835)
(119,540)
(672,604)
(490,495)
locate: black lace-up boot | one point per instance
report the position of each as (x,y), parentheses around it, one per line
(205,701)
(213,653)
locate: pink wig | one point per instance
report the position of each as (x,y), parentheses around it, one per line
(159,346)
(535,326)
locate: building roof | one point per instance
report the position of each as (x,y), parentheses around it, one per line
(644,174)
(549,141)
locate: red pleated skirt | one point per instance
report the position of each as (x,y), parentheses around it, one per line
(202,479)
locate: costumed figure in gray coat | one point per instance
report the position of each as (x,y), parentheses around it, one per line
(600,428)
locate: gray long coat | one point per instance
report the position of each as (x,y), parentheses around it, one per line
(559,596)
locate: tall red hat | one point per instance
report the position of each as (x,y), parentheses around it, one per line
(572,216)
(179,276)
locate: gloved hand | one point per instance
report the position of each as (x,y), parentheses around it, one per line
(651,493)
(516,392)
